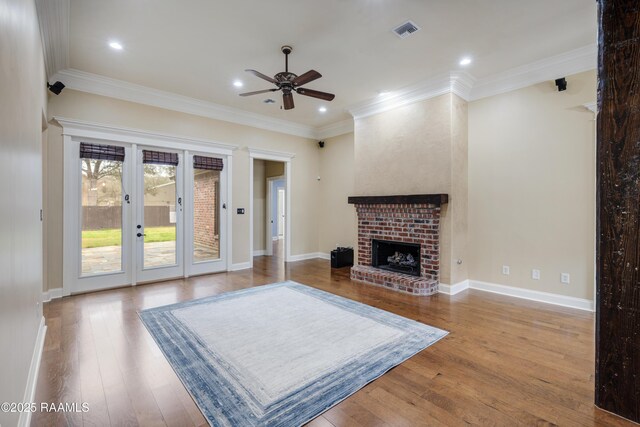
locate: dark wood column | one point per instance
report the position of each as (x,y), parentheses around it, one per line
(618,209)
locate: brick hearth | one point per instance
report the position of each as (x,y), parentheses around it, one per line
(417,223)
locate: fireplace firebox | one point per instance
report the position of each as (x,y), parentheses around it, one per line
(396,256)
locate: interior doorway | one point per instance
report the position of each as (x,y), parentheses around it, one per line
(276,216)
(270,207)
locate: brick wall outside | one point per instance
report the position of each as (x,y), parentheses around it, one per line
(205,230)
(408,223)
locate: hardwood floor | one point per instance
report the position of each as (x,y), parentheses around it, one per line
(505,362)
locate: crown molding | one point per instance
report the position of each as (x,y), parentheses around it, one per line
(459,83)
(554,67)
(86,129)
(53,20)
(334,129)
(470,89)
(105,86)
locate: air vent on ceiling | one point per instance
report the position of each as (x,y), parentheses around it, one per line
(406,29)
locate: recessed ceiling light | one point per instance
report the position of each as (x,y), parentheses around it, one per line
(465,61)
(115,45)
(238,83)
(322,109)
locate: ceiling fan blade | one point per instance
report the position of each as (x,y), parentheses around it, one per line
(262,76)
(307,77)
(287,100)
(315,94)
(258,92)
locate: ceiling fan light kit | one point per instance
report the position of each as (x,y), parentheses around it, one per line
(289,82)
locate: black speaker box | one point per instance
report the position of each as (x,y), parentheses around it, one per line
(341,257)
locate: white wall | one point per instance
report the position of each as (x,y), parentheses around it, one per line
(22,105)
(531,187)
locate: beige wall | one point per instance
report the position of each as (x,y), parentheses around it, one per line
(338,223)
(22,105)
(93,108)
(531,187)
(273,169)
(405,151)
(520,178)
(420,148)
(457,208)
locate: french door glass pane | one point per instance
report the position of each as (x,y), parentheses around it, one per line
(101,216)
(159,215)
(206,208)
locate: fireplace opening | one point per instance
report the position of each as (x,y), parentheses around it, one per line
(396,256)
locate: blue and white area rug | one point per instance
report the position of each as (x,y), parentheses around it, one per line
(280,354)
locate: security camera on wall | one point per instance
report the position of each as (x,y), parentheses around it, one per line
(56,88)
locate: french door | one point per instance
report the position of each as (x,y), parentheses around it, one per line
(143,213)
(159,232)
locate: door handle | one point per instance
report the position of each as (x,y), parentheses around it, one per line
(224,206)
(180,201)
(140,234)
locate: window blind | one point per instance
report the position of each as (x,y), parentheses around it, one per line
(101,152)
(159,158)
(209,163)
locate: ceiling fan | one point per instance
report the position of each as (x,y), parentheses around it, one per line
(288,82)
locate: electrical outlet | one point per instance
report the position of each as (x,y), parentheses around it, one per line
(565,278)
(505,270)
(535,274)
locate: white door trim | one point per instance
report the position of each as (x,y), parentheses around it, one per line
(275,156)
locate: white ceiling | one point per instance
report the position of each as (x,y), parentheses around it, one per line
(197,48)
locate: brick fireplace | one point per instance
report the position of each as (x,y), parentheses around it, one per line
(398,242)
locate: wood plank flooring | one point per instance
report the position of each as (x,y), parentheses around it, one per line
(505,362)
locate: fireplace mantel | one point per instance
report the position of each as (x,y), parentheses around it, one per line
(411,199)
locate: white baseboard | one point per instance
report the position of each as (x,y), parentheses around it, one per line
(34,368)
(240,266)
(529,294)
(51,294)
(546,297)
(312,255)
(260,252)
(443,288)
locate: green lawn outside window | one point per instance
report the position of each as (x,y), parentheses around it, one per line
(113,236)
